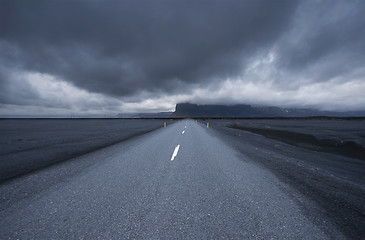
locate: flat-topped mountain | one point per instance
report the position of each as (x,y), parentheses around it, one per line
(244,110)
(195,110)
(186,110)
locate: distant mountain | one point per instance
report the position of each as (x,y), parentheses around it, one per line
(194,110)
(243,110)
(183,110)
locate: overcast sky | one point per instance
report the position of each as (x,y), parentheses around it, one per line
(107,57)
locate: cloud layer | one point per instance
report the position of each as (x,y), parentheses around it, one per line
(114,56)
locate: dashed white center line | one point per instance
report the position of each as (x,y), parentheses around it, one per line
(183,132)
(175,152)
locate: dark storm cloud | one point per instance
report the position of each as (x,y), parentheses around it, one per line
(90,55)
(122,47)
(329,35)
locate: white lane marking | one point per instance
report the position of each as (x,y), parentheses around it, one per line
(183,132)
(175,152)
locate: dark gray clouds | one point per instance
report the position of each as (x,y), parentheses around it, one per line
(148,55)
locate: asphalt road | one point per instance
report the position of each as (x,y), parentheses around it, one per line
(178,182)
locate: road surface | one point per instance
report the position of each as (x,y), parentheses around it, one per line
(178,182)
